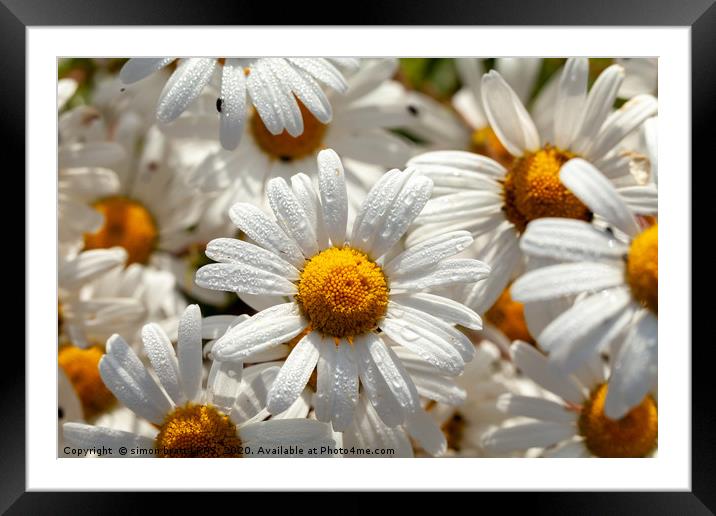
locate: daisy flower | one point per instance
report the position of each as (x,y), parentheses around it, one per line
(274,86)
(190,421)
(478,194)
(488,376)
(572,422)
(614,273)
(358,131)
(86,314)
(348,298)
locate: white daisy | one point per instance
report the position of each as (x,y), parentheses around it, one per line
(191,421)
(358,131)
(340,291)
(573,422)
(618,272)
(87,314)
(480,195)
(489,375)
(271,85)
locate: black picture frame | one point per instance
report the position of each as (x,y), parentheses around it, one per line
(699,15)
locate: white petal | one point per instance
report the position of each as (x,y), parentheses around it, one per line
(564,280)
(89,154)
(138,68)
(536,366)
(381,397)
(269,328)
(641,199)
(504,257)
(305,88)
(233,104)
(620,123)
(508,117)
(585,329)
(285,431)
(161,354)
(295,372)
(442,308)
(323,71)
(454,337)
(124,374)
(184,86)
(569,240)
(88,436)
(571,95)
(461,205)
(265,232)
(223,384)
(567,449)
(89,265)
(243,278)
(306,195)
(427,344)
(535,408)
(291,216)
(635,368)
(599,104)
(230,250)
(371,216)
(462,161)
(650,135)
(408,204)
(334,199)
(189,352)
(447,272)
(337,389)
(595,190)
(392,371)
(281,101)
(427,433)
(527,435)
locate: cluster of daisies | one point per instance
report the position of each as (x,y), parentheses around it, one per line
(316,257)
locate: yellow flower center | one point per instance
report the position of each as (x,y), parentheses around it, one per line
(508,316)
(634,435)
(127,224)
(532,189)
(284,146)
(642,268)
(484,141)
(342,292)
(197,431)
(82,369)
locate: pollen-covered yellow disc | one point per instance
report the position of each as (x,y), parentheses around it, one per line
(532,189)
(642,268)
(197,431)
(342,292)
(634,435)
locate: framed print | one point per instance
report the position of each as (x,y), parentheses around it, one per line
(413,236)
